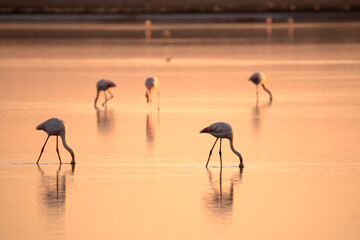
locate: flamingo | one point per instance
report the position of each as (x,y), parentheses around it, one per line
(104,85)
(55,127)
(152,84)
(222,130)
(260,78)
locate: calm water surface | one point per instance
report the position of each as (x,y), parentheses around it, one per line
(141,173)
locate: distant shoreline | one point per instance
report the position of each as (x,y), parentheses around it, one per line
(336,16)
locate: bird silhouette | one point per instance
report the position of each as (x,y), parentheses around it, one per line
(222,130)
(55,127)
(260,78)
(152,84)
(104,85)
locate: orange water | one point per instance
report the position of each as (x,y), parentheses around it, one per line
(141,173)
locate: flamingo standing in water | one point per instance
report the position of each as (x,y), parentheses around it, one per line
(260,78)
(222,130)
(152,84)
(55,127)
(104,85)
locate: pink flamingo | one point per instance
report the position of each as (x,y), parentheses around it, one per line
(55,127)
(260,78)
(152,84)
(222,130)
(104,85)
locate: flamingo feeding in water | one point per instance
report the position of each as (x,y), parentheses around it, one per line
(104,85)
(222,130)
(152,84)
(55,127)
(260,78)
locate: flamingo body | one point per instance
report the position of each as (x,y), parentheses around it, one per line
(104,85)
(151,84)
(259,78)
(222,130)
(55,127)
(219,130)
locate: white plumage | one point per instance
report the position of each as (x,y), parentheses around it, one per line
(221,130)
(151,84)
(104,85)
(55,127)
(259,78)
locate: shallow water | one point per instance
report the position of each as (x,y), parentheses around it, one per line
(141,173)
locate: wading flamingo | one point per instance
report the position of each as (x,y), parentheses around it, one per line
(152,84)
(55,127)
(222,130)
(104,85)
(260,78)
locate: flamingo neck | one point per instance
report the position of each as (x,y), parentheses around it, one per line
(96,98)
(148,95)
(236,152)
(268,91)
(62,135)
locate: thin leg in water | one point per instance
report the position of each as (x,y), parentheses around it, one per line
(57,148)
(211,151)
(220,154)
(111,96)
(158,100)
(42,150)
(105,99)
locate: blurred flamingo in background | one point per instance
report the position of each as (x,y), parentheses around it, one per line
(222,130)
(260,78)
(152,84)
(55,127)
(104,85)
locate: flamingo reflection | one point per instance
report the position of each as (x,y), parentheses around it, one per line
(220,199)
(151,131)
(166,37)
(105,120)
(258,114)
(53,191)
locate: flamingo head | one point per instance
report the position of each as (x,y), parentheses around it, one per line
(111,84)
(205,130)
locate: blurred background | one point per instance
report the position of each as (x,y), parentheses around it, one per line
(174,6)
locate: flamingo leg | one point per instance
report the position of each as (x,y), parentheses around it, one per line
(158,100)
(42,150)
(111,96)
(57,148)
(220,153)
(257,93)
(105,99)
(220,178)
(211,152)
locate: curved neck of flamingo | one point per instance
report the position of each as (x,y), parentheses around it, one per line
(268,91)
(97,96)
(62,135)
(236,152)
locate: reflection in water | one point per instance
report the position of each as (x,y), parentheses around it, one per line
(151,132)
(105,120)
(291,29)
(269,28)
(258,115)
(52,195)
(220,199)
(166,38)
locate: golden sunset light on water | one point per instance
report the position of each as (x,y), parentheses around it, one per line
(102,106)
